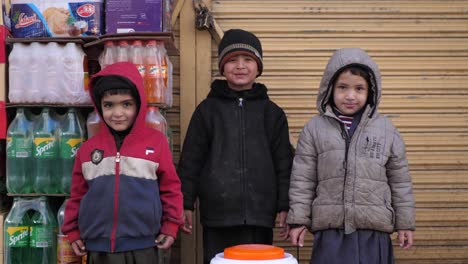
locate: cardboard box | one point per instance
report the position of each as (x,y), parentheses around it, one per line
(125,16)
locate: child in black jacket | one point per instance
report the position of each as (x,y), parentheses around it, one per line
(237,158)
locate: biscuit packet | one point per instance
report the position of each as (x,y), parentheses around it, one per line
(56,18)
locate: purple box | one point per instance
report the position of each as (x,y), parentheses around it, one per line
(124,16)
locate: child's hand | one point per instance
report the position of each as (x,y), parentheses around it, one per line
(297,235)
(164,241)
(284,231)
(187,227)
(405,238)
(79,248)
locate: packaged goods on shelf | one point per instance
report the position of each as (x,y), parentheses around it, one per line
(55,73)
(56,18)
(40,153)
(124,16)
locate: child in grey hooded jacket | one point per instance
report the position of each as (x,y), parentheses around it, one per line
(350,182)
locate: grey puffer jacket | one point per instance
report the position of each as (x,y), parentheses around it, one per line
(357,183)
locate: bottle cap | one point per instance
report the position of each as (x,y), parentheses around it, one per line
(253,252)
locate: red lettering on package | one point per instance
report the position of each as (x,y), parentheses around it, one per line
(25,21)
(86,10)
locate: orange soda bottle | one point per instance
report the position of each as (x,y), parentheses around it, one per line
(154,84)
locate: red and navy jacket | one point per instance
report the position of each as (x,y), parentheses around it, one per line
(122,199)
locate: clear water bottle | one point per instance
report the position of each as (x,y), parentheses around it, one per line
(45,152)
(70,138)
(19,154)
(36,72)
(18,63)
(73,74)
(54,74)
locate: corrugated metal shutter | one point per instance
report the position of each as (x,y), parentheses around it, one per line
(422,50)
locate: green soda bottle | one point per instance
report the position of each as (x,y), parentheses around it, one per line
(43,234)
(45,153)
(19,154)
(16,230)
(70,137)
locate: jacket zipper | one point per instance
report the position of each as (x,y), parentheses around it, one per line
(242,157)
(116,200)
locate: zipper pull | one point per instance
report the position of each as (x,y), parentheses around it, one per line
(117,157)
(241,102)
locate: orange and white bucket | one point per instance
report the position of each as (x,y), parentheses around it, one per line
(253,254)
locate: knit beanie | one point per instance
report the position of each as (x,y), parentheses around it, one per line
(106,83)
(236,42)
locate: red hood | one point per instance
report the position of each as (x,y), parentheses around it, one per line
(129,71)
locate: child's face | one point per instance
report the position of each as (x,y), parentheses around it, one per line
(240,72)
(119,111)
(350,93)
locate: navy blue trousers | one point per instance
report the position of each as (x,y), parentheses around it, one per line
(332,246)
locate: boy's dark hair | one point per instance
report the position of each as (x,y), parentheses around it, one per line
(236,42)
(358,70)
(112,85)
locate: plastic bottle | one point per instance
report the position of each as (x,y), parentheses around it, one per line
(137,57)
(65,254)
(108,55)
(36,73)
(53,74)
(16,230)
(43,233)
(122,51)
(45,152)
(93,123)
(19,154)
(154,83)
(70,138)
(18,62)
(167,70)
(73,75)
(156,120)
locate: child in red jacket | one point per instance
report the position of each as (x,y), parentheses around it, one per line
(126,199)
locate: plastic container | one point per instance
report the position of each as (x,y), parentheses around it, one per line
(46,153)
(19,154)
(70,139)
(156,120)
(30,232)
(93,123)
(254,254)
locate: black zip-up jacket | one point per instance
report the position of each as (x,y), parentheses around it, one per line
(237,158)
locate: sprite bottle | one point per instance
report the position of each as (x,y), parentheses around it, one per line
(45,153)
(70,137)
(19,154)
(43,233)
(16,230)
